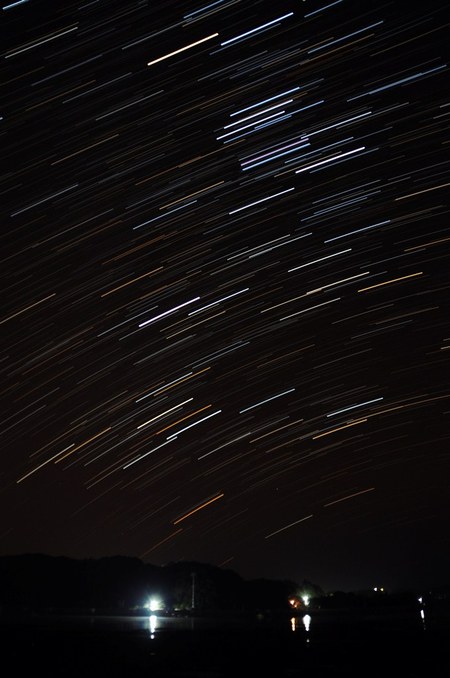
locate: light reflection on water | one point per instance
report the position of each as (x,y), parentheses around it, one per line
(298,624)
(307,622)
(422,612)
(152,625)
(321,642)
(422,616)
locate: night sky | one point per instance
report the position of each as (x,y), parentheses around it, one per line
(225,319)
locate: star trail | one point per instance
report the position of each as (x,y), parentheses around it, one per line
(225,277)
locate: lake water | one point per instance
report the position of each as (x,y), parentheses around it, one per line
(318,644)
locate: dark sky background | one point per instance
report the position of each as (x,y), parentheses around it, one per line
(225,319)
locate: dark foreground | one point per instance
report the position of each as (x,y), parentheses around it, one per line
(338,644)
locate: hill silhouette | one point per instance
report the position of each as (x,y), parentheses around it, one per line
(36,582)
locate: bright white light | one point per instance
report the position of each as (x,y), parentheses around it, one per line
(152,623)
(306,600)
(154,604)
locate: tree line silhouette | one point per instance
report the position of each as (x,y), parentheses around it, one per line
(36,582)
